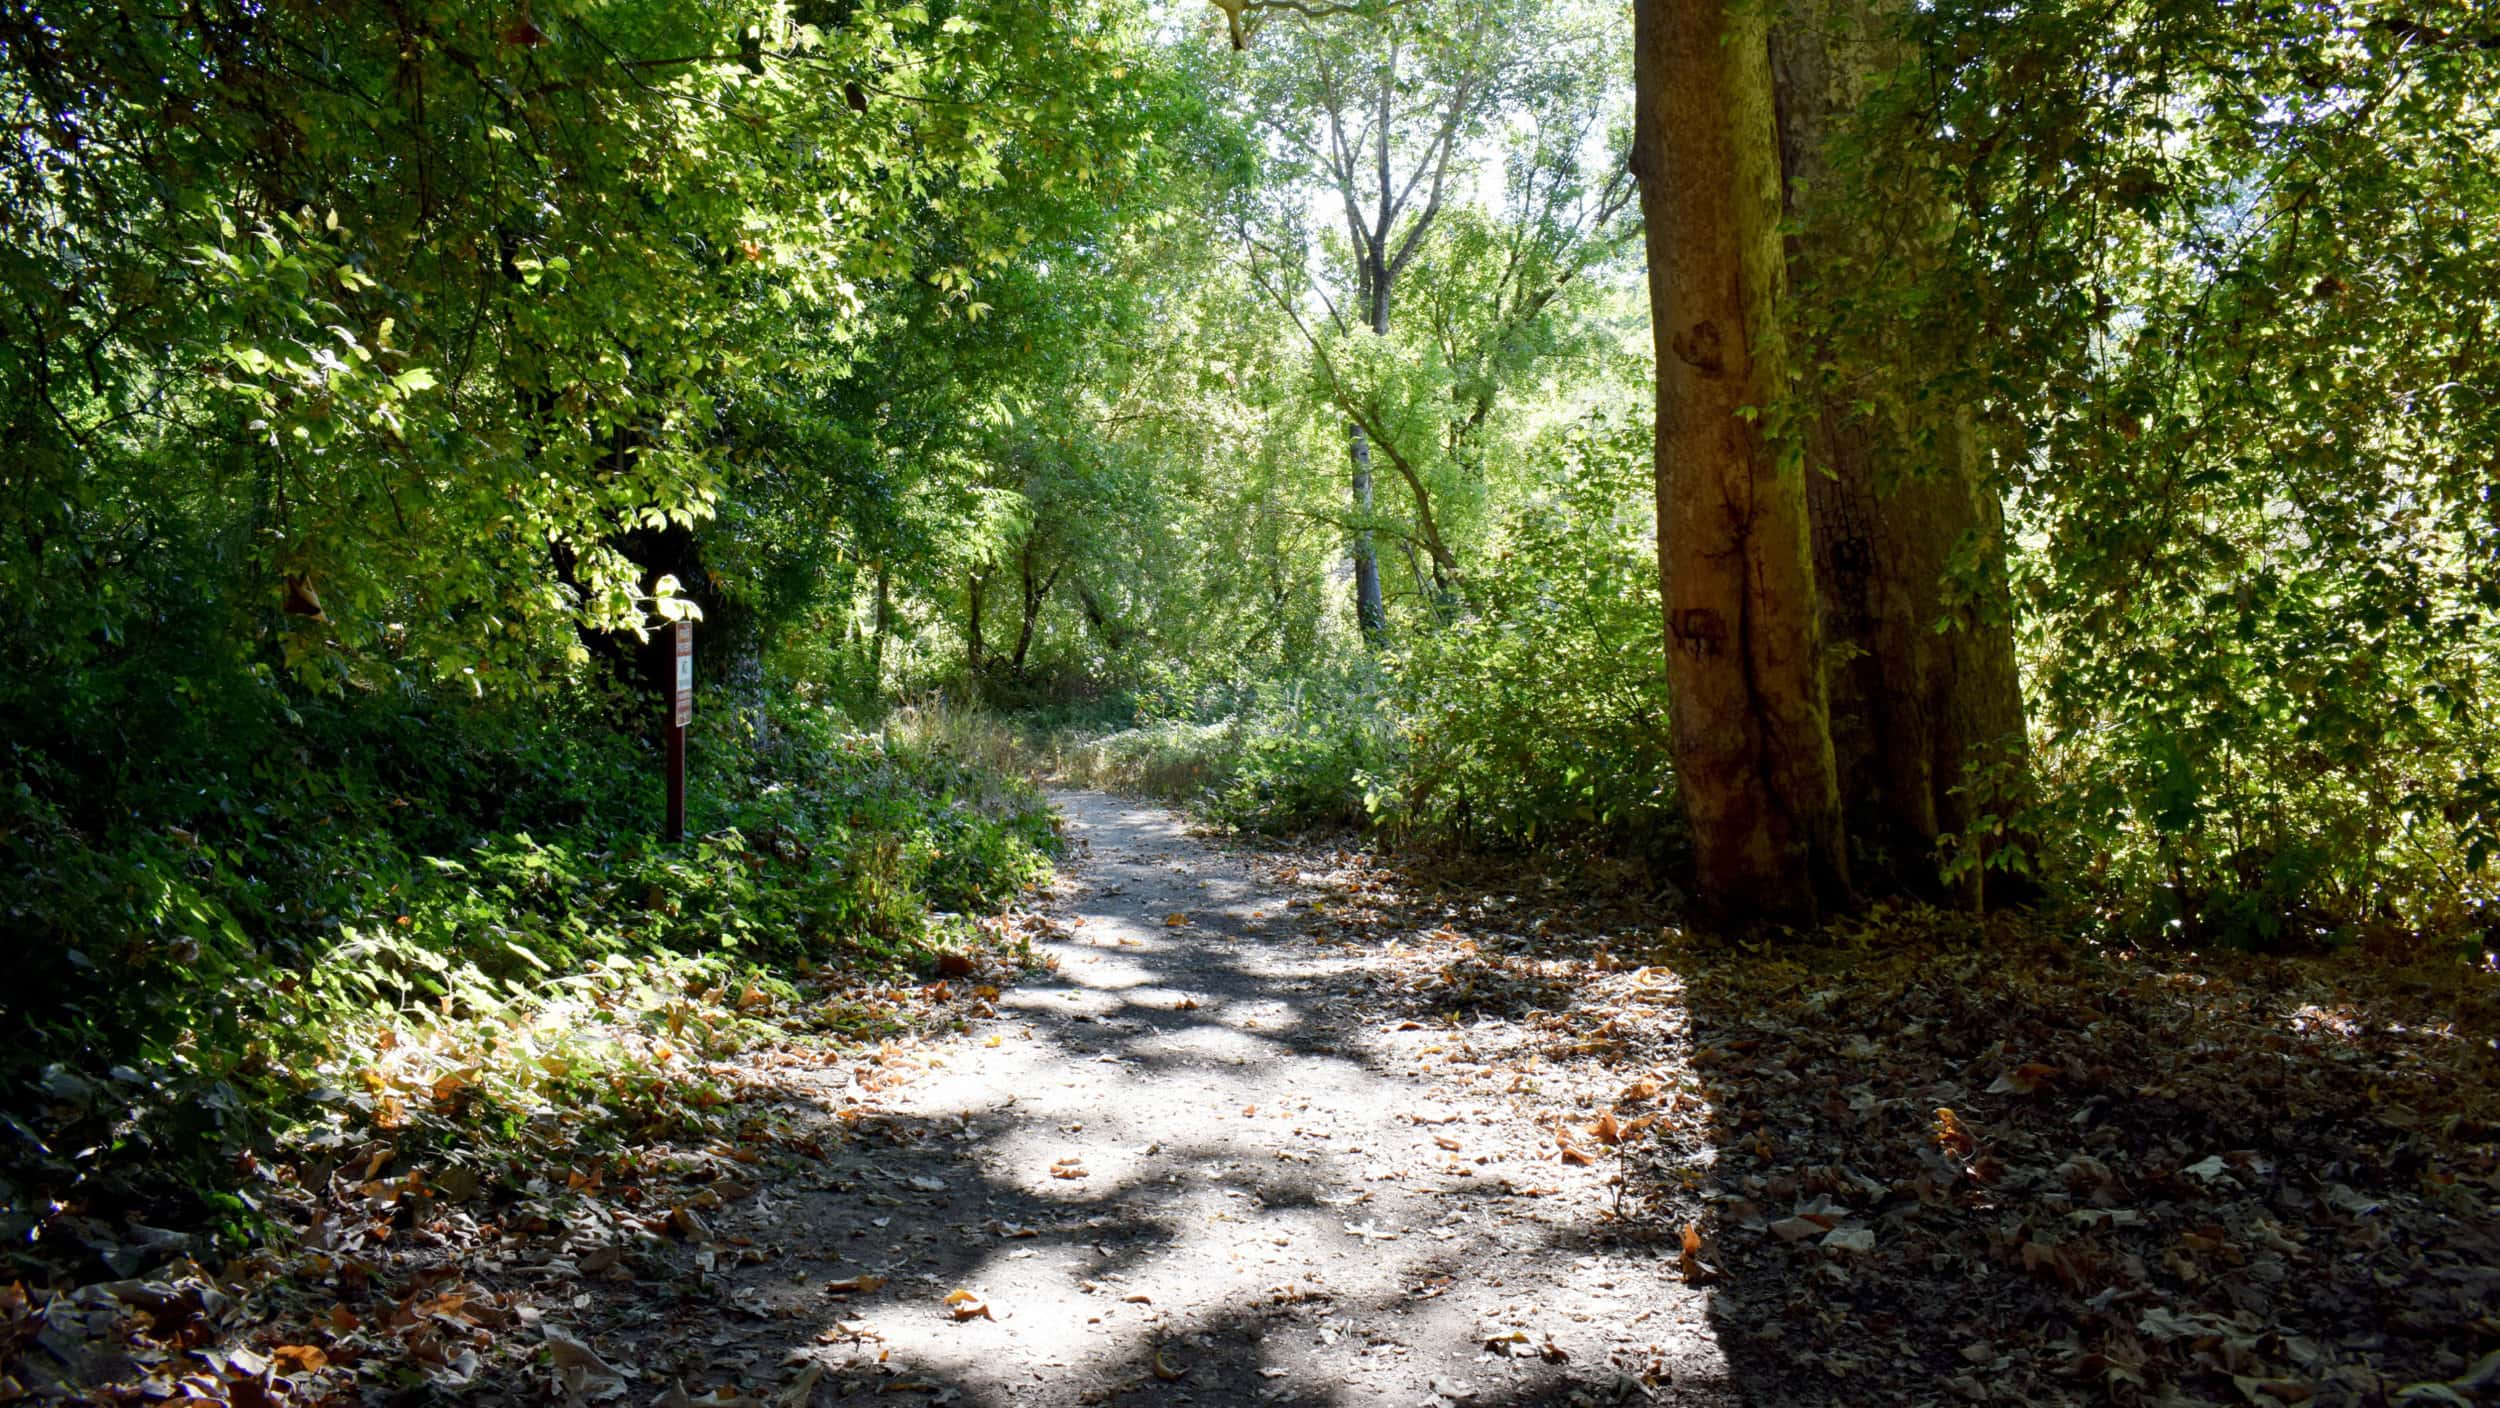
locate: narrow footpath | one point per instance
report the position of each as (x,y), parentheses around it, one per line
(1186,1165)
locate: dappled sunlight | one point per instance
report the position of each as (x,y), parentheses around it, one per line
(1181,1165)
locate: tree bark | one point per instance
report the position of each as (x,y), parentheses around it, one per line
(1922,684)
(1750,737)
(1036,592)
(976,655)
(1369,611)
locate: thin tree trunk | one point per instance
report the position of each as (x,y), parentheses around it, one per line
(1112,633)
(1035,594)
(1752,749)
(876,640)
(1369,611)
(1892,501)
(976,657)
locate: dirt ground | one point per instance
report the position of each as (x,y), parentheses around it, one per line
(1301,1125)
(1187,1166)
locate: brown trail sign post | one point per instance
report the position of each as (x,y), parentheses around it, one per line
(680,713)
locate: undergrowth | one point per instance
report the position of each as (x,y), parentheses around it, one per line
(442,921)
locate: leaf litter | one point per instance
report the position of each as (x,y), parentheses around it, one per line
(1920,1159)
(403,1246)
(1925,1157)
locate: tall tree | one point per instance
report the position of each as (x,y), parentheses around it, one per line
(1378,111)
(1908,531)
(1833,727)
(1751,730)
(1386,126)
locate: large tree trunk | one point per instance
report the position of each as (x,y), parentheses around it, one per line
(1753,753)
(1922,686)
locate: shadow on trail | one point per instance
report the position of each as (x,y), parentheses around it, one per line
(1981,1165)
(1180,1169)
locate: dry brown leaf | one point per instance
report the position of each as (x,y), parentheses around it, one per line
(300,1358)
(1688,1261)
(964,1305)
(861,1284)
(1175,920)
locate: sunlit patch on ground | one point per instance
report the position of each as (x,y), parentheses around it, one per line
(1203,1163)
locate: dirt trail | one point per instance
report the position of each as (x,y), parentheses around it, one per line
(1189,1167)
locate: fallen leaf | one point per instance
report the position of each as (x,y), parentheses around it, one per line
(1174,920)
(801,1388)
(579,1369)
(300,1358)
(1689,1261)
(2025,1079)
(857,1285)
(1796,1229)
(964,1305)
(1860,1240)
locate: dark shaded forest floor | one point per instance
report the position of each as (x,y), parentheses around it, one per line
(1266,1125)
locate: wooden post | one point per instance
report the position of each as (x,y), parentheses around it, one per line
(680,713)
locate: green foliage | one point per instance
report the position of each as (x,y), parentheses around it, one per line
(2222,295)
(1539,719)
(187,968)
(1305,753)
(1542,717)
